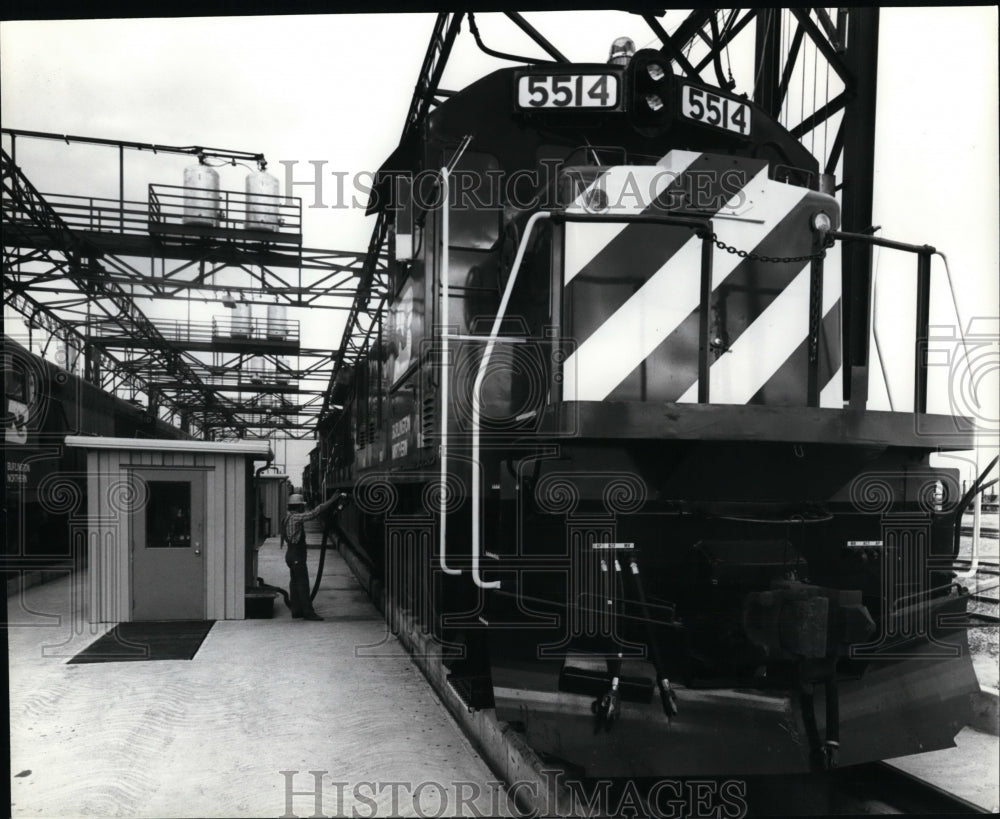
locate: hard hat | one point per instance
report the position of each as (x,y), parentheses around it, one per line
(296,500)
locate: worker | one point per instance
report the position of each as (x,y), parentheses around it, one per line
(293,534)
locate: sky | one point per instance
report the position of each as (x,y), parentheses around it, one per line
(335,89)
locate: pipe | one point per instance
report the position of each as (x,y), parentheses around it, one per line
(256,477)
(668,699)
(532,32)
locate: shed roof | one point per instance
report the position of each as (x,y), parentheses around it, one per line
(250,449)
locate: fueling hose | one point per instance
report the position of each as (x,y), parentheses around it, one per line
(322,560)
(276,589)
(330,525)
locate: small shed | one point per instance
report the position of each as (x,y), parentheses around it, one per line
(170,527)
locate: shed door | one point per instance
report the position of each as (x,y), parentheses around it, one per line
(168,554)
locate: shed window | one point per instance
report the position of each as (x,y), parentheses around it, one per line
(168,515)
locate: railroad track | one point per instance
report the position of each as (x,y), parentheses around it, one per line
(989,568)
(861,790)
(883,788)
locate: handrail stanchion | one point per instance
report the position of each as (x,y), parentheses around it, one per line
(704,342)
(121,188)
(922,331)
(815,324)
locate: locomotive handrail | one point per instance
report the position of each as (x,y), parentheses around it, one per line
(924,253)
(703,227)
(477,386)
(445,296)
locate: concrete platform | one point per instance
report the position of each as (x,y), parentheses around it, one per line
(265,710)
(971,770)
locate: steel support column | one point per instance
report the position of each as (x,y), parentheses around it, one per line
(768,60)
(861,58)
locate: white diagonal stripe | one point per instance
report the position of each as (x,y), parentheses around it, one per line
(630,189)
(628,337)
(832,394)
(761,349)
(765,345)
(603,361)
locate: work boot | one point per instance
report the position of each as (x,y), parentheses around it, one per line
(311,616)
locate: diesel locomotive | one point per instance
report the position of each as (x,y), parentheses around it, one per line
(45,482)
(600,444)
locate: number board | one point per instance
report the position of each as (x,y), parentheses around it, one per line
(568,91)
(703,106)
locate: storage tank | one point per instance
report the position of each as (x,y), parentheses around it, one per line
(255,369)
(262,201)
(202,200)
(242,319)
(277,323)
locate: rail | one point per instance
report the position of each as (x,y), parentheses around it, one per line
(183,331)
(923,304)
(97,214)
(702,227)
(176,210)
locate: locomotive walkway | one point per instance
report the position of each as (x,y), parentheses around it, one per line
(212,736)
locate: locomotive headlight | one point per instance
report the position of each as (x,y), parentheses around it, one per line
(821,222)
(622,50)
(649,84)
